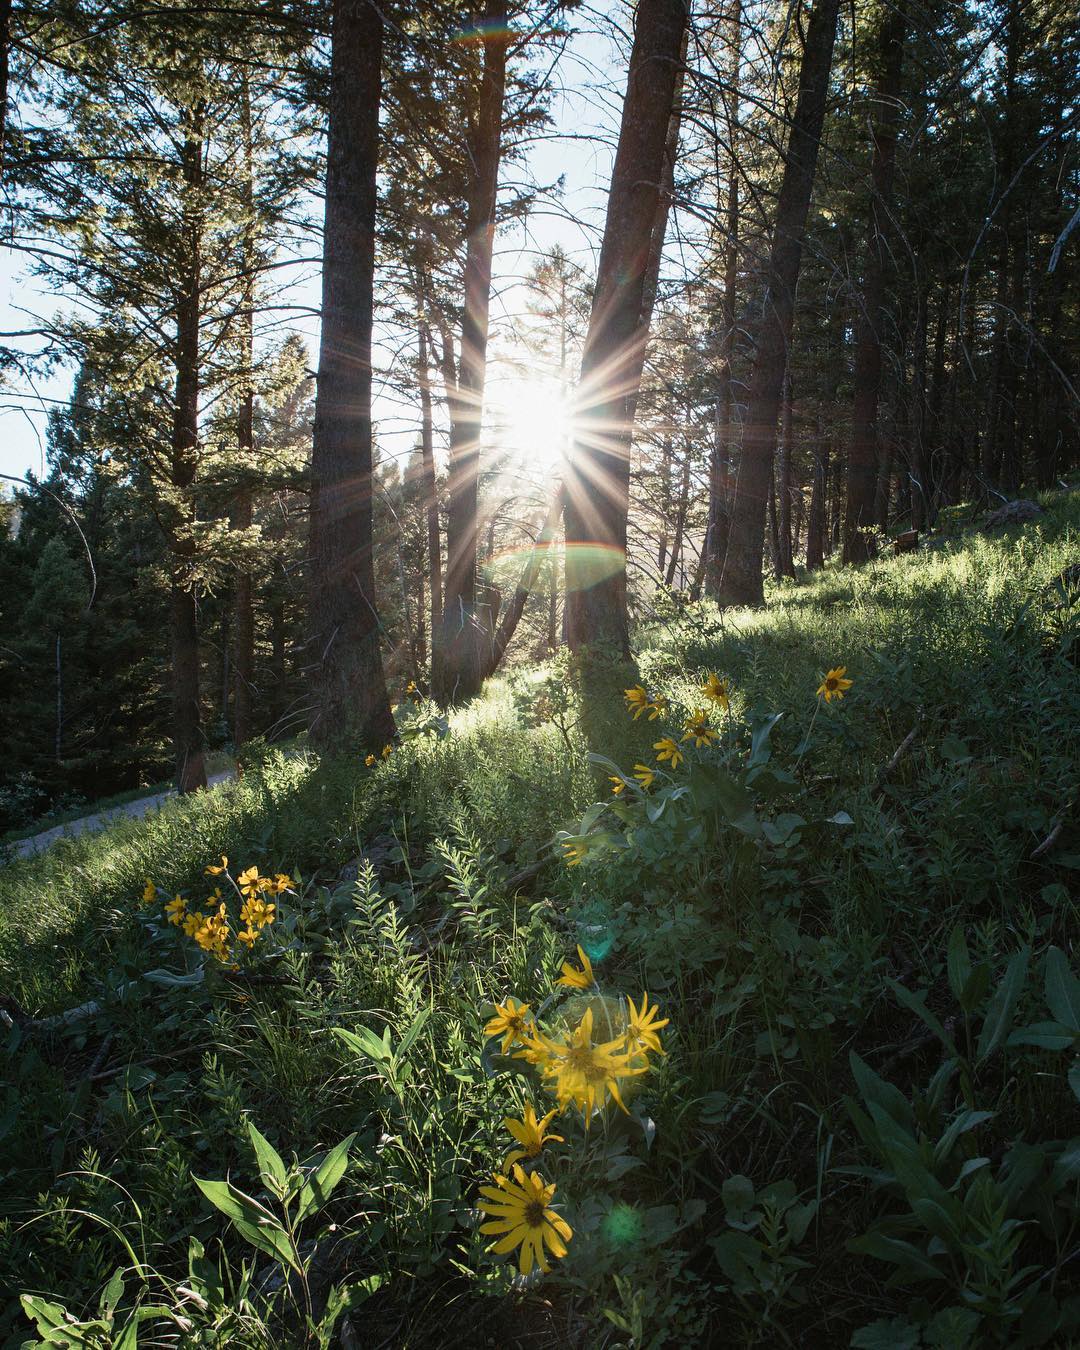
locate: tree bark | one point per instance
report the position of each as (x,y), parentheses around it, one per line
(430,487)
(870,318)
(786,564)
(456,667)
(539,553)
(243,615)
(742,577)
(187,711)
(815,528)
(598,480)
(347,682)
(718,529)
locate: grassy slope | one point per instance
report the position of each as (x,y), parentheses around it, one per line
(772,963)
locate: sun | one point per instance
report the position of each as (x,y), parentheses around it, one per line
(531,419)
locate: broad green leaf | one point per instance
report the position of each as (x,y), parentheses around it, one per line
(999,1015)
(317,1189)
(918,1006)
(780,830)
(261,1228)
(1074,1078)
(895,1334)
(966,1120)
(129,1337)
(173,980)
(365,1042)
(1062,989)
(875,1089)
(959,961)
(1044,1035)
(407,1041)
(271,1168)
(912,1262)
(759,740)
(1067,1167)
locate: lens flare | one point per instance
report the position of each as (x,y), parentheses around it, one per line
(485,30)
(591,563)
(622,1226)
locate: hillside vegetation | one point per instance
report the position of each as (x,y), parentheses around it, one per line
(857,915)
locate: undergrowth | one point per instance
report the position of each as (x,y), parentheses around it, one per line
(859,917)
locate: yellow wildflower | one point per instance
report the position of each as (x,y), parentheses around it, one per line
(176,909)
(698,730)
(251,883)
(387,751)
(369,760)
(658,707)
(256,913)
(248,936)
(193,922)
(644,775)
(834,685)
(519,1216)
(531,1134)
(717,691)
(667,749)
(411,688)
(149,892)
(512,1021)
(617,783)
(637,701)
(577,979)
(575,851)
(643,1027)
(587,1073)
(213,871)
(282,882)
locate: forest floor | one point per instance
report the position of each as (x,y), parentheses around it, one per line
(134,809)
(859,918)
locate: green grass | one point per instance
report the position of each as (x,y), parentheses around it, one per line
(859,926)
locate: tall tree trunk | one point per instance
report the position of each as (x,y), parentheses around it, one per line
(926,491)
(5,67)
(279,669)
(786,565)
(348,685)
(870,315)
(815,527)
(598,481)
(457,656)
(774,531)
(59,735)
(187,710)
(718,529)
(742,579)
(430,487)
(538,555)
(680,519)
(243,615)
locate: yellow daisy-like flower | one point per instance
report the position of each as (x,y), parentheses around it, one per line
(251,883)
(193,922)
(176,909)
(519,1216)
(248,936)
(149,892)
(282,883)
(667,749)
(587,1073)
(645,776)
(513,1021)
(834,685)
(256,913)
(387,750)
(717,691)
(658,707)
(369,760)
(617,784)
(575,851)
(411,688)
(643,1027)
(531,1134)
(637,701)
(577,979)
(698,730)
(213,871)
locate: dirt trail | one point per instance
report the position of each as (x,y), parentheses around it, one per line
(141,806)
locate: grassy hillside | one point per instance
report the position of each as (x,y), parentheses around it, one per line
(859,917)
